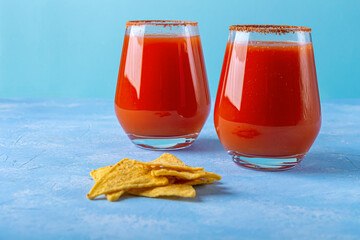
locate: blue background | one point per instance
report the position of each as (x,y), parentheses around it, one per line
(71,48)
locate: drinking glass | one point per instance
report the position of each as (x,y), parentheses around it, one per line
(162,97)
(267,111)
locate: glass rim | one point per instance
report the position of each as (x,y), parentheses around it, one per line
(164,23)
(272,29)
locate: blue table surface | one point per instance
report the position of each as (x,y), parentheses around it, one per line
(49,146)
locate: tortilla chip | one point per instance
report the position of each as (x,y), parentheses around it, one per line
(172,190)
(97,174)
(126,174)
(164,177)
(185,175)
(168,160)
(198,181)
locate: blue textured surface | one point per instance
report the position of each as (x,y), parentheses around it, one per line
(48,147)
(72,48)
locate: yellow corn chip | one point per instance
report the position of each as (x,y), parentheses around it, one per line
(164,177)
(168,160)
(198,181)
(172,190)
(112,197)
(185,175)
(126,174)
(97,174)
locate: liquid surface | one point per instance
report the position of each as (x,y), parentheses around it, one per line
(162,86)
(267,102)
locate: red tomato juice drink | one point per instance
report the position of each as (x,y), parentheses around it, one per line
(162,97)
(267,111)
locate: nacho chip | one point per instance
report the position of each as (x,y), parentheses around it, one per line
(112,197)
(126,174)
(100,172)
(168,160)
(164,177)
(198,181)
(185,175)
(172,190)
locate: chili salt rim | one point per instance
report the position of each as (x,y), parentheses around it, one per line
(264,29)
(164,23)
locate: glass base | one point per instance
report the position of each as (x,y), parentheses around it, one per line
(163,143)
(266,163)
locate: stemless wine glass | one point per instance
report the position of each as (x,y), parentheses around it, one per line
(267,110)
(162,97)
